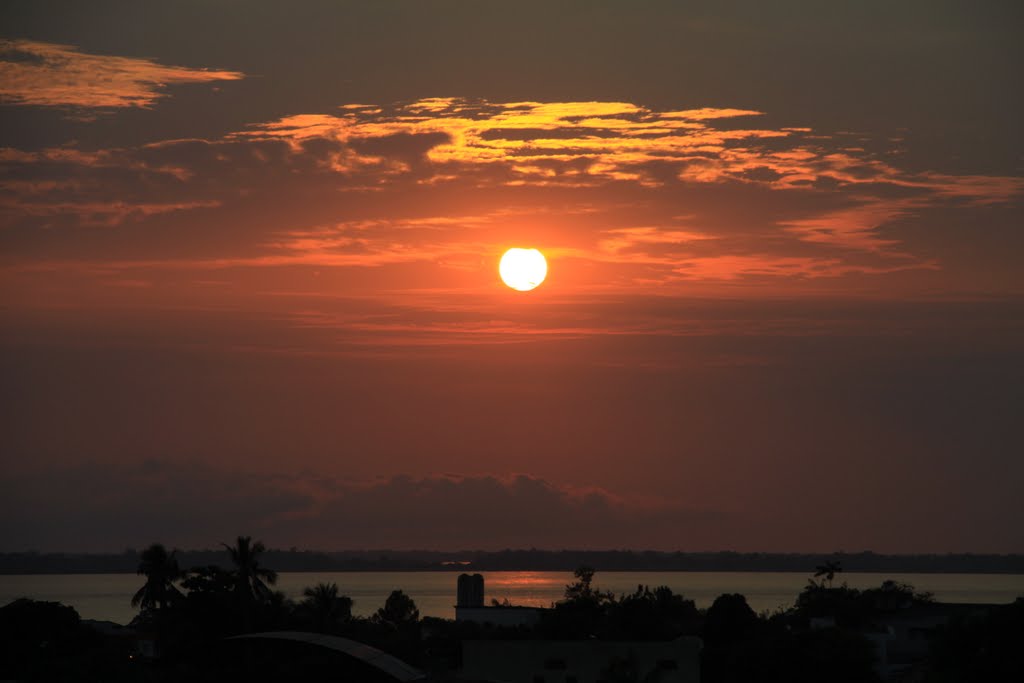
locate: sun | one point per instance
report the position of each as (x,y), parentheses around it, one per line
(523,269)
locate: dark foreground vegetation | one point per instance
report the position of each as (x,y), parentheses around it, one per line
(187,618)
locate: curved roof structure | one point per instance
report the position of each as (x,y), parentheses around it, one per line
(392,666)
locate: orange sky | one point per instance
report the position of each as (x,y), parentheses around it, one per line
(259,251)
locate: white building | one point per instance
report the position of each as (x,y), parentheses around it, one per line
(470,606)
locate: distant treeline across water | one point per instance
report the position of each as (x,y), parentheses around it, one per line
(295,560)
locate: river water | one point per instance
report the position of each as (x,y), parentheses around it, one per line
(107,596)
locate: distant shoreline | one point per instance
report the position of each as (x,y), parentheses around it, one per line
(529,560)
(880,572)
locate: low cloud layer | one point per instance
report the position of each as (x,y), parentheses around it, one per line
(195,506)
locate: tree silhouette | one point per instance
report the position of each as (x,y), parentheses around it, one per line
(583,612)
(644,614)
(250,578)
(729,619)
(582,590)
(161,571)
(209,580)
(828,570)
(326,606)
(399,609)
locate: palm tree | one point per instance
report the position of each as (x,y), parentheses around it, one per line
(161,571)
(326,606)
(250,578)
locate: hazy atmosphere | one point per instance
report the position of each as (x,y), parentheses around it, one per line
(249,275)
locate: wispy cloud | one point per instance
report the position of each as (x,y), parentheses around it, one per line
(735,267)
(52,75)
(538,141)
(587,143)
(629,198)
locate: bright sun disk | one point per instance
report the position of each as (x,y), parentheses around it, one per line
(523,269)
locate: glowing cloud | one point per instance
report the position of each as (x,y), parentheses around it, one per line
(629,198)
(51,75)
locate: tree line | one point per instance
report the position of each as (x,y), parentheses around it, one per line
(191,615)
(242,597)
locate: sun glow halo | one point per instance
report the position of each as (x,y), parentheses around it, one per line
(523,269)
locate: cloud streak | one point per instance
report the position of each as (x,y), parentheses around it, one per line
(586,143)
(51,75)
(627,198)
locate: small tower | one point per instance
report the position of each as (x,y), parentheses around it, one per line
(471,591)
(471,607)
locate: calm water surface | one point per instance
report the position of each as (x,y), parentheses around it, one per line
(107,596)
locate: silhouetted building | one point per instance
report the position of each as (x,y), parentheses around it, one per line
(902,639)
(470,606)
(471,591)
